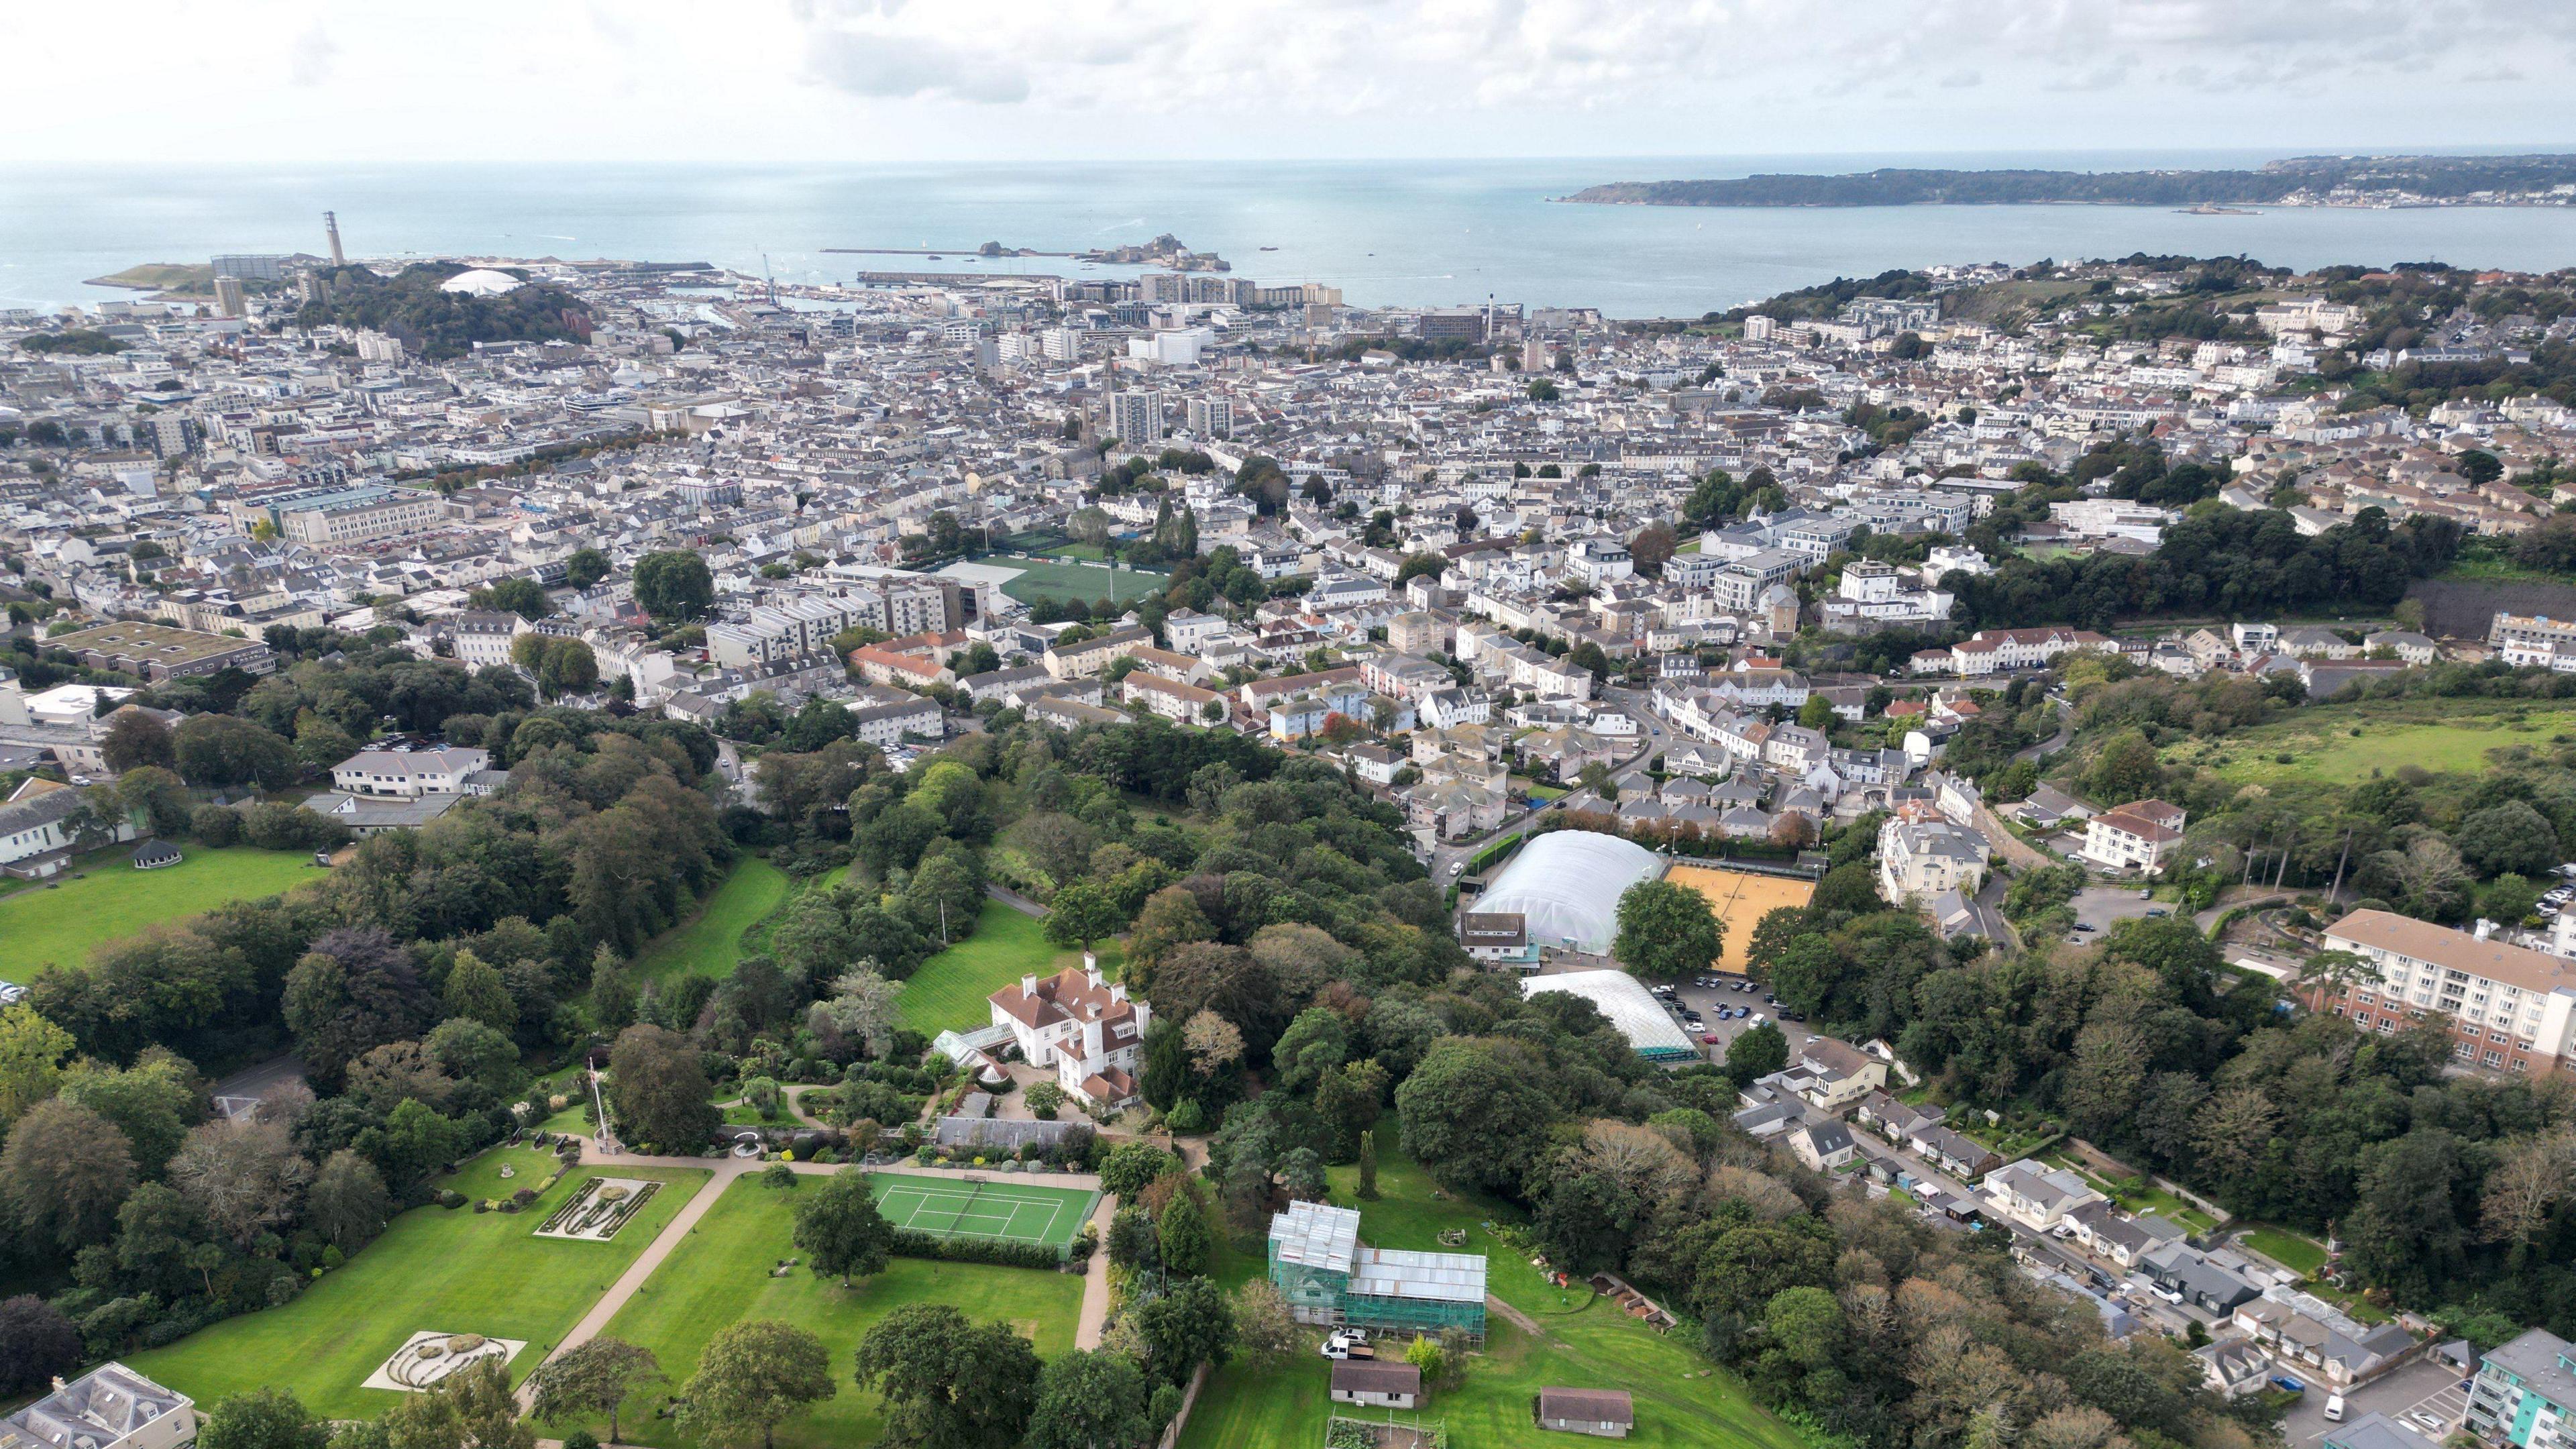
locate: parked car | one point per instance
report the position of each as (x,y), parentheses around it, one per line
(2154,912)
(2429,1422)
(1708,1038)
(2167,1294)
(2086,926)
(2289,1385)
(1348,1343)
(2334,1408)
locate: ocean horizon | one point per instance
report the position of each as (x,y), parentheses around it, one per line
(1412,233)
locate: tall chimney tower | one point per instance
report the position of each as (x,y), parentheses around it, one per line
(331,224)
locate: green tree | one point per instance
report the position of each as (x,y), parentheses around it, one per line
(1474,1113)
(752,1375)
(265,1418)
(31,1055)
(1081,913)
(1184,1236)
(591,1379)
(1188,1326)
(64,1173)
(840,1230)
(612,995)
(586,567)
(674,586)
(136,738)
(347,1203)
(154,1102)
(1131,1167)
(1817,713)
(1088,1399)
(2511,837)
(949,1383)
(475,991)
(1756,1054)
(1666,931)
(1368,1167)
(2127,769)
(659,1090)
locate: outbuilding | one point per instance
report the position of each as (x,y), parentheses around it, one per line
(1607,1413)
(1379,1385)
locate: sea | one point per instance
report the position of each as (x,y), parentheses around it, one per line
(1388,233)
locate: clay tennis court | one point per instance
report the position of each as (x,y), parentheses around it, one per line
(1741,899)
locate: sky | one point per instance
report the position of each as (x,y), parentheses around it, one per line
(869,81)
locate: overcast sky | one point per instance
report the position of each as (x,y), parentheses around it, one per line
(267,81)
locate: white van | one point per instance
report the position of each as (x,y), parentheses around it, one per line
(2334,1408)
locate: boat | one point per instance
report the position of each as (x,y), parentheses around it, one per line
(1270,249)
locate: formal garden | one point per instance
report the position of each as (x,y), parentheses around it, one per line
(449,1271)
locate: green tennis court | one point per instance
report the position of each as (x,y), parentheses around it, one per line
(967,1207)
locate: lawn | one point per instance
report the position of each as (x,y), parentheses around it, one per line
(949,992)
(710,942)
(2302,1255)
(1679,1398)
(720,1276)
(62,923)
(1046,579)
(450,1269)
(2319,743)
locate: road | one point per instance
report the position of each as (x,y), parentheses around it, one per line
(2057,741)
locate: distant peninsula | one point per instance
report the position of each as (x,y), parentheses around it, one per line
(2363,181)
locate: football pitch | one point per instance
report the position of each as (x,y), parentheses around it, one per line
(974,1208)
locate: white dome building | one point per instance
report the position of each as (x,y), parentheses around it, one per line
(481,282)
(1565,885)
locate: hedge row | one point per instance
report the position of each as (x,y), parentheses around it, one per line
(909,1243)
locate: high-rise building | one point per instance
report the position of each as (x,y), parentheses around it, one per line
(1063,344)
(331,225)
(1212,417)
(229,301)
(1136,417)
(1534,355)
(377,347)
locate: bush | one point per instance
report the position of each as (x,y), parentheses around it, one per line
(215,825)
(911,1244)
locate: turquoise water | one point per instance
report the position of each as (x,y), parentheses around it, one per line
(1387,233)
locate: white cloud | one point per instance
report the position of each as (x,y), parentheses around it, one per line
(793,80)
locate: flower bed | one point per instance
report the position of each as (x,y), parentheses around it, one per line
(598,1208)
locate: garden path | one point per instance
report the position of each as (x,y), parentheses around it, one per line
(722,1173)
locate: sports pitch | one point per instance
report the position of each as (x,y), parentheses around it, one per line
(1741,898)
(1011,1212)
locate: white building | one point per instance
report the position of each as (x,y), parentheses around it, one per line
(1086,1028)
(409,773)
(2136,836)
(1919,859)
(1136,417)
(110,1407)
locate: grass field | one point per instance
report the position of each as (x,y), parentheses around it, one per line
(710,942)
(62,924)
(1045,579)
(720,1275)
(2436,735)
(2302,1255)
(1586,1343)
(1741,898)
(1014,1211)
(948,992)
(450,1269)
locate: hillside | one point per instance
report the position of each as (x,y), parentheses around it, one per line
(2313,180)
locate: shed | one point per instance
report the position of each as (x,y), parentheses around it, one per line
(1384,1385)
(1607,1413)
